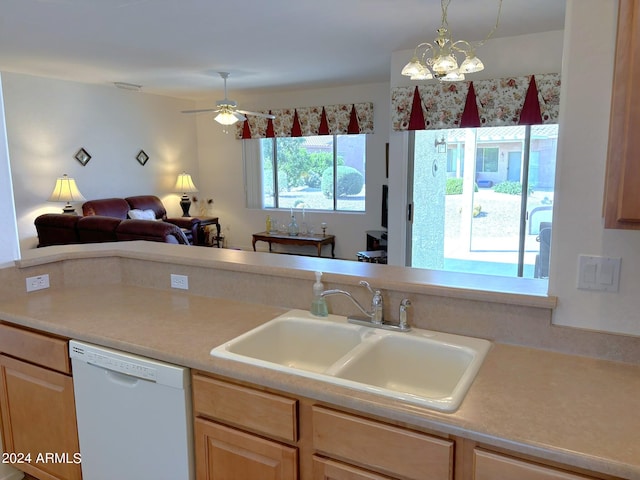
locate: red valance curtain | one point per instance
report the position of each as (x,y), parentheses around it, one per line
(527,100)
(306,121)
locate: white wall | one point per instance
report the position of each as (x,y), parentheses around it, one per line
(583,138)
(9,249)
(221,168)
(49,120)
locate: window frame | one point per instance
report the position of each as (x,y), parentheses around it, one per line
(274,180)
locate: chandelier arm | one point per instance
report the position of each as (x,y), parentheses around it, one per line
(470,47)
(423,44)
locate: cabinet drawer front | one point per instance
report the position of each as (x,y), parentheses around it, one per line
(261,412)
(224,452)
(381,447)
(489,466)
(34,347)
(326,469)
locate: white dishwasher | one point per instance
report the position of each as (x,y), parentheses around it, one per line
(134,415)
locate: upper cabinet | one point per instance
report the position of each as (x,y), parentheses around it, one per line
(622,192)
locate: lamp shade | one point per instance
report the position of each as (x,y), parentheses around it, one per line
(226,118)
(66,190)
(184,184)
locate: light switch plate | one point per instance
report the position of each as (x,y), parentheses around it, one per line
(599,273)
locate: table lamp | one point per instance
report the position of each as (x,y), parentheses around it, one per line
(66,190)
(185,185)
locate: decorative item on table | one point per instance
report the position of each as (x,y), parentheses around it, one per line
(293,226)
(185,185)
(323,225)
(275,225)
(268,224)
(204,206)
(66,190)
(82,156)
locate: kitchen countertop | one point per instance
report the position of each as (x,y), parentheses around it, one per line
(568,409)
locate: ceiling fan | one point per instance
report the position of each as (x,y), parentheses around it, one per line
(227,110)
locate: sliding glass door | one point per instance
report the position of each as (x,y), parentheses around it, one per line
(481,200)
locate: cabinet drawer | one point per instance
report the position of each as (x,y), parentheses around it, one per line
(489,466)
(261,412)
(326,469)
(34,347)
(381,447)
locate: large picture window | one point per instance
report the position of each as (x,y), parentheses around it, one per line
(322,172)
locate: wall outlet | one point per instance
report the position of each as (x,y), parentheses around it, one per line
(180,281)
(37,283)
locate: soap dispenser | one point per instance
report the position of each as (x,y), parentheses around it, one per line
(319,304)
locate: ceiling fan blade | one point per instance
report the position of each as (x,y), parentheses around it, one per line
(257,114)
(239,116)
(202,110)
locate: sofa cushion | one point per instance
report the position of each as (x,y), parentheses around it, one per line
(148,202)
(107,207)
(97,228)
(153,231)
(137,214)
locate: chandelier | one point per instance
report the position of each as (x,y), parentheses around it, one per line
(438,59)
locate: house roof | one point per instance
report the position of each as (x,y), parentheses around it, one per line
(503,134)
(175,48)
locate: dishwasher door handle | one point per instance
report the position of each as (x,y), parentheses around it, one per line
(121,378)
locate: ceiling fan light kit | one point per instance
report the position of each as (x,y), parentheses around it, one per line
(227,110)
(438,59)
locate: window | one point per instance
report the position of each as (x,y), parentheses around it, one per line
(490,214)
(487,159)
(322,172)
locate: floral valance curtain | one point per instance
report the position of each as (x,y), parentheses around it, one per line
(305,121)
(527,100)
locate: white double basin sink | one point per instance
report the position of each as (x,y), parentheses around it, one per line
(422,367)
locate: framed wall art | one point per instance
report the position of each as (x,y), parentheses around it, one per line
(82,156)
(142,157)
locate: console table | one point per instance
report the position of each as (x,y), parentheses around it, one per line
(317,241)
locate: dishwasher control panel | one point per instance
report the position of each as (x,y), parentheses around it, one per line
(114,362)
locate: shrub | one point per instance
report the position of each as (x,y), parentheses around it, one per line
(314,180)
(350,181)
(510,188)
(454,186)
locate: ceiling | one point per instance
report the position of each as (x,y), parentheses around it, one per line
(175,47)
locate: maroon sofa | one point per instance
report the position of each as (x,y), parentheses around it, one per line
(62,229)
(107,220)
(120,207)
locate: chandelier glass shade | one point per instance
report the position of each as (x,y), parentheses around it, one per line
(438,59)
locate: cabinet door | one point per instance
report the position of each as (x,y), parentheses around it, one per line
(622,195)
(224,453)
(39,419)
(326,469)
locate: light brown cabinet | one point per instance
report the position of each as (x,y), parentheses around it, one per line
(231,422)
(245,431)
(37,405)
(622,195)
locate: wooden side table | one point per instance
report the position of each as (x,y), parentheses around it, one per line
(317,241)
(202,236)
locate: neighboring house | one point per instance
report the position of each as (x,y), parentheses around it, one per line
(499,155)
